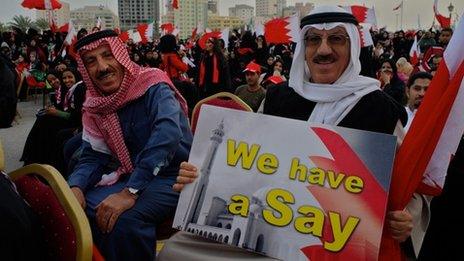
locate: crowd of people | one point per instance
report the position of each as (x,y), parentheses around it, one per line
(114,108)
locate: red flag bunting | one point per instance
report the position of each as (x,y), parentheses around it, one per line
(434,135)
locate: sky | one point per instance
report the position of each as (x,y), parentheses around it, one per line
(385,15)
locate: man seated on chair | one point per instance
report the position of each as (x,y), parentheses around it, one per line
(135,134)
(325,87)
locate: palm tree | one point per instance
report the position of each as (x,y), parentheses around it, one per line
(3,27)
(42,24)
(22,22)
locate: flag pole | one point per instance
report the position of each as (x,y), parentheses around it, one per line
(418,21)
(402,7)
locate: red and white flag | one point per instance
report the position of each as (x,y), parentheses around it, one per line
(366,37)
(71,38)
(282,30)
(64,28)
(398,6)
(146,32)
(167,28)
(423,158)
(414,53)
(198,31)
(363,14)
(445,22)
(131,34)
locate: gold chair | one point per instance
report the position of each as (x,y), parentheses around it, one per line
(67,230)
(222,99)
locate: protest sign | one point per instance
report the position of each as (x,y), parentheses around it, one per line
(286,188)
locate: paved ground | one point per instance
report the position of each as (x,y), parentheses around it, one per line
(13,138)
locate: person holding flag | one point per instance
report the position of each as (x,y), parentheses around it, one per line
(326,87)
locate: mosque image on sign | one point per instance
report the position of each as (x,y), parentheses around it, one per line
(250,232)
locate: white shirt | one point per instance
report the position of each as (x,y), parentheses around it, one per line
(411,115)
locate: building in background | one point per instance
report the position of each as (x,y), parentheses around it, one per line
(303,9)
(190,14)
(220,22)
(280,5)
(244,12)
(86,17)
(134,12)
(213,7)
(270,8)
(168,17)
(288,11)
(60,16)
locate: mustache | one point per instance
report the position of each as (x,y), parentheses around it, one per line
(102,74)
(324,58)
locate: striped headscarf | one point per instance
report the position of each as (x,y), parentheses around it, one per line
(102,128)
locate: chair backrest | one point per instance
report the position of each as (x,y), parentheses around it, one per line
(66,228)
(222,99)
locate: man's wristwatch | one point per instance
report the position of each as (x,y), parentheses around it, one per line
(133,191)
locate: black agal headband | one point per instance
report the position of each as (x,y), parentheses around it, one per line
(90,38)
(329,17)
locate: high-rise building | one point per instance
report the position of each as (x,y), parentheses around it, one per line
(213,7)
(87,16)
(60,16)
(168,17)
(190,14)
(270,8)
(244,12)
(280,5)
(303,9)
(134,12)
(288,11)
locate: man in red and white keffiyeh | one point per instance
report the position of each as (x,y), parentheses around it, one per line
(135,135)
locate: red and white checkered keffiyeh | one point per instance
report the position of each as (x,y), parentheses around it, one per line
(100,120)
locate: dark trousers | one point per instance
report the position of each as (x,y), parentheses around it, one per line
(71,152)
(134,235)
(7,114)
(20,228)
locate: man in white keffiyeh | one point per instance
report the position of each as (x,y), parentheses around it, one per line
(325,86)
(326,65)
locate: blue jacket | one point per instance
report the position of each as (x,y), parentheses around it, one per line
(157,135)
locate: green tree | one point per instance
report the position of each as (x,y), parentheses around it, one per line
(42,24)
(3,27)
(22,22)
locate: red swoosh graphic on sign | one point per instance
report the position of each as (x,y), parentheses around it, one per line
(369,205)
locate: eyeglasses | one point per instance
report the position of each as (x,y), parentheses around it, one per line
(315,40)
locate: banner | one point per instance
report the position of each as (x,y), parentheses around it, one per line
(286,188)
